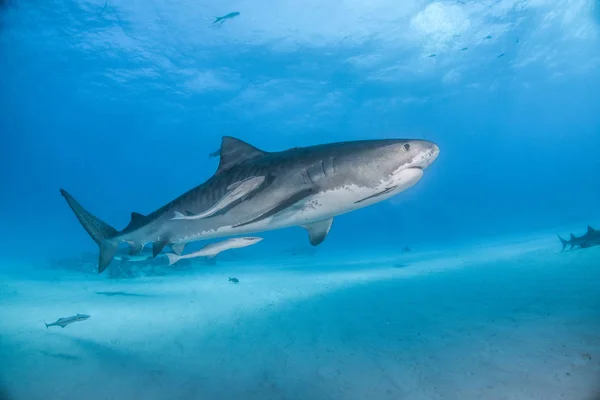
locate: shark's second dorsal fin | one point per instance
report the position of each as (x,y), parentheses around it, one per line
(235,151)
(136,219)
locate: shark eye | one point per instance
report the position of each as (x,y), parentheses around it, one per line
(406,147)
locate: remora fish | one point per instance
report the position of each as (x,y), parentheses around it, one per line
(213,249)
(62,322)
(305,187)
(591,238)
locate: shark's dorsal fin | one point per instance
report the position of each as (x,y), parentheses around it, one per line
(235,152)
(136,219)
(590,229)
(573,237)
(136,216)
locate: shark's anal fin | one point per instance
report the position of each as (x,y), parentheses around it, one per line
(158,246)
(290,201)
(317,231)
(177,248)
(135,248)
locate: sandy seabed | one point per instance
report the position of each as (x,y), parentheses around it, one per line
(504,321)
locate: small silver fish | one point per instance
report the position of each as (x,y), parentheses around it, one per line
(62,322)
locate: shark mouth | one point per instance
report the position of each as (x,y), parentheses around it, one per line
(405,179)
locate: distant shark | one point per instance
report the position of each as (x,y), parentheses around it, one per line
(591,238)
(222,19)
(255,191)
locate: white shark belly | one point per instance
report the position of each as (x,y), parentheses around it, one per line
(324,205)
(342,200)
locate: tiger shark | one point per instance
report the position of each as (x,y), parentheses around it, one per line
(590,239)
(255,191)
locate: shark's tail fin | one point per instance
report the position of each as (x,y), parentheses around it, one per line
(563,242)
(173,258)
(102,233)
(46,324)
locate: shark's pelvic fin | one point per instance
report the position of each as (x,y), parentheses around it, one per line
(290,201)
(237,190)
(157,247)
(101,232)
(235,152)
(177,248)
(317,231)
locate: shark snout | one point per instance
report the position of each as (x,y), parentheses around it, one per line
(432,153)
(425,153)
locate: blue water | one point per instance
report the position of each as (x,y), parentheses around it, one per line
(121,103)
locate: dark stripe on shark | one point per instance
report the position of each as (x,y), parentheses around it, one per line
(266,183)
(290,201)
(387,190)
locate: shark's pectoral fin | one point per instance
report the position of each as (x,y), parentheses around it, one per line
(385,191)
(290,201)
(177,248)
(158,246)
(317,231)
